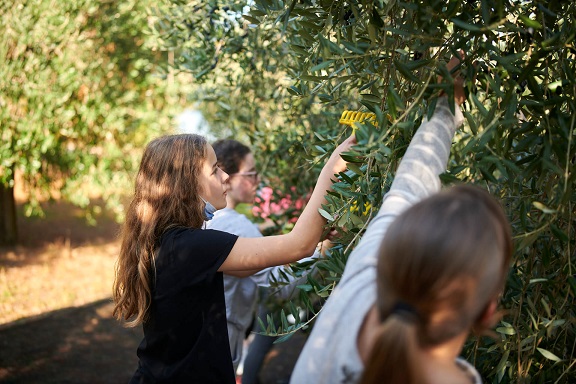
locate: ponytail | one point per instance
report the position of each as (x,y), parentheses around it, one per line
(394,355)
(440,263)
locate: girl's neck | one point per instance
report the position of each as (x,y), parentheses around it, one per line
(230,203)
(439,362)
(447,351)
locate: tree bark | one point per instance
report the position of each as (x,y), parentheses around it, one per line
(8,227)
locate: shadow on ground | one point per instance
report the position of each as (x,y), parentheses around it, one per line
(73,345)
(86,345)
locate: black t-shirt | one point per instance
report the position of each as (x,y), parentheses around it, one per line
(186,337)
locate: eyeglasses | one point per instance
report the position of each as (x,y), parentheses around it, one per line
(252,175)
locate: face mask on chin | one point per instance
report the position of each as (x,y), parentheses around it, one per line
(209,210)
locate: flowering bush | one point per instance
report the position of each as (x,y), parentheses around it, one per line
(281,208)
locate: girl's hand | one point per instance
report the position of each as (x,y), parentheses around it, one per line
(459,94)
(336,163)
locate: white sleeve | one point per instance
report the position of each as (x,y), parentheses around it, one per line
(416,178)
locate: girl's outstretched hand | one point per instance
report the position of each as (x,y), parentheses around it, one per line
(457,77)
(459,94)
(336,163)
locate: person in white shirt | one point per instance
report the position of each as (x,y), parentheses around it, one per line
(241,294)
(429,268)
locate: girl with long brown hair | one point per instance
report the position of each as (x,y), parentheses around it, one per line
(428,269)
(169,271)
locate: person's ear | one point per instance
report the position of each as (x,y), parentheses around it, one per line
(489,317)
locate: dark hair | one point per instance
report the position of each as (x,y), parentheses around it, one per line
(230,153)
(446,259)
(166,195)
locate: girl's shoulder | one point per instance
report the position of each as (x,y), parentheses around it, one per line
(174,232)
(195,238)
(194,248)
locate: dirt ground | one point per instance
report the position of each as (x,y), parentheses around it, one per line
(56,322)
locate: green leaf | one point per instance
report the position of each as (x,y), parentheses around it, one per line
(326,215)
(305,287)
(406,72)
(572,283)
(251,19)
(502,364)
(483,111)
(353,47)
(549,355)
(559,234)
(283,338)
(529,22)
(371,98)
(313,78)
(261,324)
(356,220)
(375,19)
(538,205)
(322,65)
(355,168)
(538,280)
(466,26)
(506,330)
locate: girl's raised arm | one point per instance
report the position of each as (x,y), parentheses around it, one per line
(251,254)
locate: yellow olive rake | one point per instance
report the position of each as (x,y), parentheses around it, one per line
(351,117)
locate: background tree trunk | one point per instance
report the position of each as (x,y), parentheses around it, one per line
(8,228)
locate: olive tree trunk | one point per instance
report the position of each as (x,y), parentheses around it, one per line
(8,228)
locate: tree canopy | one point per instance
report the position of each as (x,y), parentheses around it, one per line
(80,94)
(282,72)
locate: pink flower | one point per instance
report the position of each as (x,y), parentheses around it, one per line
(262,203)
(269,202)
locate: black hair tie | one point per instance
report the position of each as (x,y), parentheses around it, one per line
(405,311)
